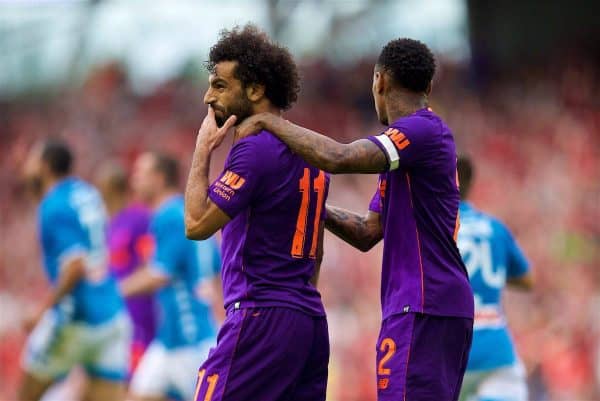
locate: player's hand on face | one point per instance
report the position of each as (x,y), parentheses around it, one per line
(210,133)
(251,126)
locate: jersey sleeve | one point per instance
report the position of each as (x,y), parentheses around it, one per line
(64,229)
(517,263)
(167,246)
(236,186)
(404,147)
(375,204)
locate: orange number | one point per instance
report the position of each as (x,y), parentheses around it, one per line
(389,347)
(200,377)
(298,242)
(300,234)
(212,384)
(319,185)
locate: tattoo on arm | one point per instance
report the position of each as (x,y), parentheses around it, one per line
(362,232)
(361,156)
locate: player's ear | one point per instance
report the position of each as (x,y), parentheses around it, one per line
(255,92)
(379,82)
(428,90)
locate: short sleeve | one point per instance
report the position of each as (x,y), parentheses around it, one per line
(167,246)
(65,231)
(209,257)
(405,147)
(236,186)
(517,263)
(375,204)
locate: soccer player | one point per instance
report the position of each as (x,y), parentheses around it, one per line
(426,298)
(274,343)
(177,270)
(493,260)
(128,244)
(83,321)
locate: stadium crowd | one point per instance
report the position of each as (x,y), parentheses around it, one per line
(535,140)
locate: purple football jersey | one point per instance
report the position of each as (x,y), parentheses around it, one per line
(275,201)
(418,202)
(129,244)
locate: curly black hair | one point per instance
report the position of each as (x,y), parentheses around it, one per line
(58,156)
(260,61)
(410,63)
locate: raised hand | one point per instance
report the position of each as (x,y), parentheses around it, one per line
(252,125)
(210,134)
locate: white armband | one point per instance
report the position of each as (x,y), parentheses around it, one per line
(390,150)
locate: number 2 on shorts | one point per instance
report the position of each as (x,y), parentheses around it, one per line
(212,383)
(389,347)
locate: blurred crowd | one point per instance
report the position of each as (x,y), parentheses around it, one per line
(535,140)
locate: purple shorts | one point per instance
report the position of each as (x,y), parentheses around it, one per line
(267,354)
(422,357)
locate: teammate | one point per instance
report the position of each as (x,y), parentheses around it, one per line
(274,343)
(177,271)
(128,243)
(493,260)
(83,321)
(426,298)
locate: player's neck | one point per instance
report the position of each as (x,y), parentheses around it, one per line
(50,182)
(266,107)
(404,103)
(115,204)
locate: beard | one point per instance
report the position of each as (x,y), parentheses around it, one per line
(241,108)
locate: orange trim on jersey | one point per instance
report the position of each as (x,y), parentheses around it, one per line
(418,248)
(456,226)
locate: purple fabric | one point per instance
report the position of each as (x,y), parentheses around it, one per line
(267,354)
(422,357)
(269,246)
(422,269)
(128,243)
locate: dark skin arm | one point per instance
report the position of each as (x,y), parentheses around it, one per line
(524,282)
(315,278)
(362,232)
(361,156)
(70,274)
(202,217)
(143,281)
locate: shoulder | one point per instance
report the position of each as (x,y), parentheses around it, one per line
(257,151)
(257,143)
(501,229)
(423,126)
(138,213)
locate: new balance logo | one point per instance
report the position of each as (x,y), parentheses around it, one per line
(232,180)
(399,139)
(382,384)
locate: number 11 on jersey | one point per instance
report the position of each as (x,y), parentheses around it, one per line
(300,234)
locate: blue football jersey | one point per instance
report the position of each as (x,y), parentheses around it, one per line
(491,255)
(72,222)
(184,318)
